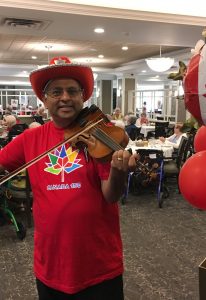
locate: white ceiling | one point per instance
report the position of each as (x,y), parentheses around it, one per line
(68,28)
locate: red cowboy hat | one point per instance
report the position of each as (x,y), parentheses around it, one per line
(61,67)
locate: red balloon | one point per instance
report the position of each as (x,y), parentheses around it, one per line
(200,139)
(192,180)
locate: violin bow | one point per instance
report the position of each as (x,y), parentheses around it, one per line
(39,157)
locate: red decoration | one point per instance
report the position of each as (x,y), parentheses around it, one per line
(192,180)
(200,139)
(194,86)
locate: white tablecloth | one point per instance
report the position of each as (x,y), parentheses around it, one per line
(146,128)
(155,144)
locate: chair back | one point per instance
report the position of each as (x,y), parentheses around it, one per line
(161,129)
(189,147)
(181,151)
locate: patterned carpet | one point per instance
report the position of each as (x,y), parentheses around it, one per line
(162,248)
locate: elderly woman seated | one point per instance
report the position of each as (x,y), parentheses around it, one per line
(142,120)
(9,121)
(175,139)
(40,115)
(13,129)
(117,115)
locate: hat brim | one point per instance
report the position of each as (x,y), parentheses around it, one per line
(81,73)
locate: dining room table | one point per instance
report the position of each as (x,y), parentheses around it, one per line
(147,128)
(151,144)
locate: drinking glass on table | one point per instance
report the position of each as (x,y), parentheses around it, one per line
(152,142)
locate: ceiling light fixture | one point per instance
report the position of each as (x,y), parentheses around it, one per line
(101,56)
(125,48)
(34,57)
(99,30)
(160,64)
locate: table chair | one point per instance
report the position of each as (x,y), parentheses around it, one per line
(173,165)
(161,129)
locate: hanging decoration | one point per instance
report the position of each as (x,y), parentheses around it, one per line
(192,176)
(195,84)
(180,74)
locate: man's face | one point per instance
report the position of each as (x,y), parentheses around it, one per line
(64,100)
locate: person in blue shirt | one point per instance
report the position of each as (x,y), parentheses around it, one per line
(131,128)
(175,139)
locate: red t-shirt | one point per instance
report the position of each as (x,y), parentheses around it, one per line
(77,239)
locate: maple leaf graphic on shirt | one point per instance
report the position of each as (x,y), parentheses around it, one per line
(63,161)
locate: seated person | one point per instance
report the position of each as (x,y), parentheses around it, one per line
(175,139)
(125,118)
(13,128)
(41,112)
(117,114)
(8,110)
(120,123)
(40,115)
(34,125)
(131,128)
(22,110)
(142,120)
(9,121)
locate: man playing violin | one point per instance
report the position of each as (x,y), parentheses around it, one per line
(77,243)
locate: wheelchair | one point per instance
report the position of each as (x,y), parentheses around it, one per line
(6,214)
(149,175)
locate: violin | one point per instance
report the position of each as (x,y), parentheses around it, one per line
(101,140)
(91,129)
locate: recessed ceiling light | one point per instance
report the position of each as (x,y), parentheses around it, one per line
(34,57)
(101,56)
(144,71)
(125,48)
(99,30)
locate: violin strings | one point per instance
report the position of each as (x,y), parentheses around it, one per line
(105,138)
